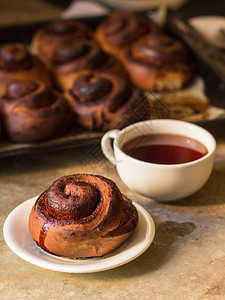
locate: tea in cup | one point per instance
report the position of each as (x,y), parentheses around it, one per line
(164,160)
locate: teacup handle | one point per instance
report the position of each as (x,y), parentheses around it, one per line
(106,145)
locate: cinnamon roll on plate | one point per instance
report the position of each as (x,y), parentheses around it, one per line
(158,63)
(33,112)
(81,216)
(103,101)
(17,63)
(118,31)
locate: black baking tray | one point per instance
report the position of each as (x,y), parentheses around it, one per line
(210,59)
(77,137)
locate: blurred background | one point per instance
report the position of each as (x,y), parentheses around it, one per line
(29,11)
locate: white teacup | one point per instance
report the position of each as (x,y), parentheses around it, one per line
(162,182)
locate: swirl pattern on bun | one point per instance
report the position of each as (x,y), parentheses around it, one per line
(58,33)
(82,215)
(17,63)
(33,112)
(103,101)
(158,62)
(118,31)
(68,60)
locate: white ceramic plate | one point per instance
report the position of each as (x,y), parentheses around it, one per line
(18,238)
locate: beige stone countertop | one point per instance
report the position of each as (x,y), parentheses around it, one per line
(185,261)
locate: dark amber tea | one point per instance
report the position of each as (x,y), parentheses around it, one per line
(165,148)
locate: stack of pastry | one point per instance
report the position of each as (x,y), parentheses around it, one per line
(68,49)
(98,76)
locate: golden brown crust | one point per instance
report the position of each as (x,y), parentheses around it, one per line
(82,216)
(17,63)
(103,101)
(158,62)
(33,112)
(118,31)
(54,44)
(66,61)
(58,33)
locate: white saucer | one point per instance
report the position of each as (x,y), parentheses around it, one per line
(19,240)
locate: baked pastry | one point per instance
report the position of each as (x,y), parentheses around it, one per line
(158,63)
(82,216)
(56,34)
(103,101)
(118,31)
(66,61)
(33,112)
(17,63)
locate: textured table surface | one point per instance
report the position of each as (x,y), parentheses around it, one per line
(13,12)
(185,261)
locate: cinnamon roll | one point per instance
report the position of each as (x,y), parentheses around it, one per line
(17,63)
(81,216)
(33,112)
(102,101)
(57,34)
(118,31)
(158,62)
(68,60)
